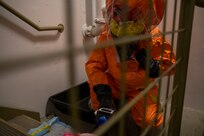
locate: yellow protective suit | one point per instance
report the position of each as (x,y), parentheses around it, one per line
(103,67)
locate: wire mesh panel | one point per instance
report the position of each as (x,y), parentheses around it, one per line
(122,35)
(184,31)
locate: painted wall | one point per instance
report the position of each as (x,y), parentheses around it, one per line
(29,85)
(195,86)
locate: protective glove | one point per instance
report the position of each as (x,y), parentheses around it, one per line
(154,64)
(106,108)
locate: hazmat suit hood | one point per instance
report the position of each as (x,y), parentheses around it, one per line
(146,14)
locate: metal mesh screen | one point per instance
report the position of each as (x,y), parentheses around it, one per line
(171,125)
(184,33)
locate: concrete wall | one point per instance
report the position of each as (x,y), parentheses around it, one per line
(195,86)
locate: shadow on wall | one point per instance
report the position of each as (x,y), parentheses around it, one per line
(31,61)
(14,65)
(21,31)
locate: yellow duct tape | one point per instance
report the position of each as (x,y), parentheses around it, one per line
(127,28)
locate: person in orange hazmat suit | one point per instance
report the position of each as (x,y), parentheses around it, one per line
(103,67)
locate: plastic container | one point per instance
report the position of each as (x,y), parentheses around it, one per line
(61,103)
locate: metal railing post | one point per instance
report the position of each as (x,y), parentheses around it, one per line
(183,49)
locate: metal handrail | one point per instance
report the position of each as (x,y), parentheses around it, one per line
(60,27)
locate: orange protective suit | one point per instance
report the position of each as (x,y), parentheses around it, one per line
(103,67)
